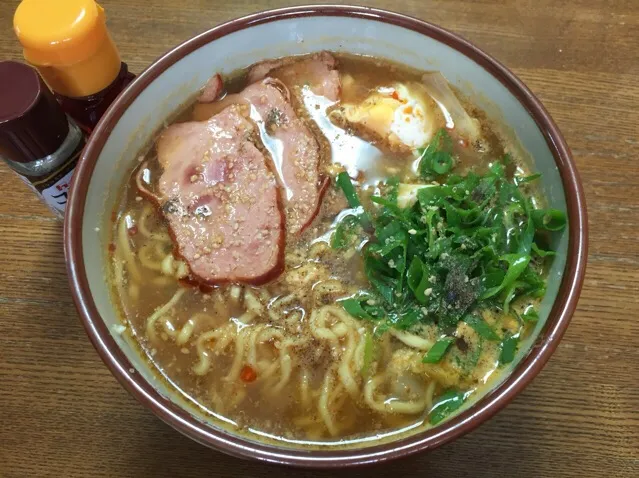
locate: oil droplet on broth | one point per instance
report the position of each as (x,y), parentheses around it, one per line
(353,153)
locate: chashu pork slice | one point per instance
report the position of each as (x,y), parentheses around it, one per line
(318,71)
(220,199)
(293,148)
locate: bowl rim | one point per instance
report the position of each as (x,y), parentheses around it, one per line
(222,440)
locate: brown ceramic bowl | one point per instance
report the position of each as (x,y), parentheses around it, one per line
(178,75)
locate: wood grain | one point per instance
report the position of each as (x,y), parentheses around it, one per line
(63,415)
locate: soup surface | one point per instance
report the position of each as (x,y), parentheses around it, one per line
(330,248)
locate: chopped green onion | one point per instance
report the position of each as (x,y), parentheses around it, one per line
(541,252)
(527,179)
(549,219)
(527,240)
(344,232)
(442,162)
(354,308)
(482,328)
(516,265)
(345,183)
(530,314)
(369,349)
(508,349)
(436,158)
(446,404)
(465,246)
(363,306)
(417,279)
(437,351)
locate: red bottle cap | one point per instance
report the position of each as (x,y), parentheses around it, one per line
(32,124)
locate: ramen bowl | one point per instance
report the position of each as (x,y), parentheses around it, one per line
(175,78)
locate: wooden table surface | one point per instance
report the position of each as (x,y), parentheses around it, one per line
(62,414)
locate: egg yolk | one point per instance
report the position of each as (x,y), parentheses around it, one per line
(402,115)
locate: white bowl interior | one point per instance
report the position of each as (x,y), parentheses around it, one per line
(175,86)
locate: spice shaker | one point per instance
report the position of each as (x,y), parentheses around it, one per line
(37,139)
(70,45)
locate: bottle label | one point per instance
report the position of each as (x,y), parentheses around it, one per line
(56,195)
(54,189)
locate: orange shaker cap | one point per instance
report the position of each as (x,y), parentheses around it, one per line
(68,41)
(60,31)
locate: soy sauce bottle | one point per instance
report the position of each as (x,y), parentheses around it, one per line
(69,44)
(37,139)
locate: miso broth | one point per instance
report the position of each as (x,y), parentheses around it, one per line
(410,288)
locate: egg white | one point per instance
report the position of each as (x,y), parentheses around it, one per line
(403,115)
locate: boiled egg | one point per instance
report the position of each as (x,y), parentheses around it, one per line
(403,115)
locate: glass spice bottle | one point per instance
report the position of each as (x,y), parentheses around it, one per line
(68,42)
(37,139)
